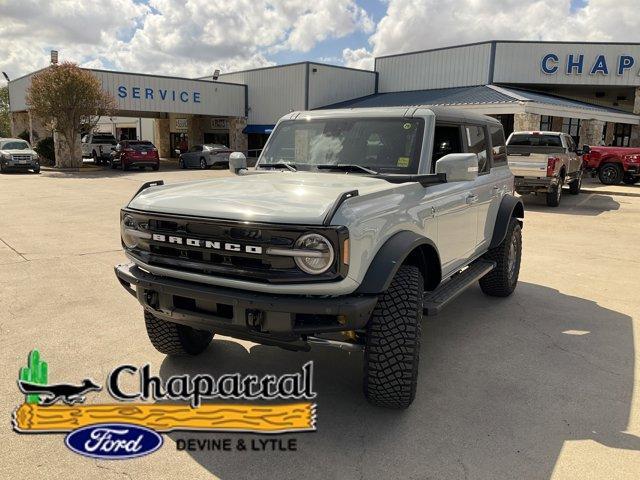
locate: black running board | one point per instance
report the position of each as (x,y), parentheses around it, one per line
(436,300)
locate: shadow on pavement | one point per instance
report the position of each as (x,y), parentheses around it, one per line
(583,204)
(503,383)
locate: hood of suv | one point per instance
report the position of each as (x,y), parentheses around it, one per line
(275,197)
(17,152)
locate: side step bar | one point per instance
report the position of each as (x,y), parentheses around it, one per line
(435,301)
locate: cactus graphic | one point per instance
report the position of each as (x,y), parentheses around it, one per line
(37,372)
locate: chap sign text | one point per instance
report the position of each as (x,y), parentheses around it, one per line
(578,63)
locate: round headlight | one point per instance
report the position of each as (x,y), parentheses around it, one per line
(320,253)
(128,223)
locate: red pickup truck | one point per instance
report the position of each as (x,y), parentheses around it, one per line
(614,164)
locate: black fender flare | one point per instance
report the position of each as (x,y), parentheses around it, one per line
(389,258)
(509,207)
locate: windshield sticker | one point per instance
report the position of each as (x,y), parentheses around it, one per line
(403,161)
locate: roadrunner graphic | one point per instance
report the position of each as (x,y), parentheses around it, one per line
(67,392)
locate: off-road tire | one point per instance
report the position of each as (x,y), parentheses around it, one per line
(392,342)
(173,339)
(575,186)
(630,180)
(502,280)
(36,170)
(610,174)
(554,196)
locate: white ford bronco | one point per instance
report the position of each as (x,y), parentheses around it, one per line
(352,225)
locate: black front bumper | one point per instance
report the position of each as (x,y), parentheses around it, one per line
(270,319)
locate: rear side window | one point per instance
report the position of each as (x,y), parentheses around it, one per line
(535,140)
(477,143)
(446,140)
(498,146)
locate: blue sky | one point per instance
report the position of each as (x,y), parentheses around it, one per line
(194,37)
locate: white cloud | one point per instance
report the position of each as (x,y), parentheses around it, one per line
(421,24)
(358,58)
(169,36)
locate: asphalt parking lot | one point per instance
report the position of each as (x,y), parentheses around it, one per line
(541,385)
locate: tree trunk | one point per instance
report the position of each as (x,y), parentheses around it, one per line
(68,154)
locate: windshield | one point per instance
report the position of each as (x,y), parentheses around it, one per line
(16,145)
(216,146)
(383,145)
(535,140)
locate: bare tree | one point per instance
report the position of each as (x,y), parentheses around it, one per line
(68,100)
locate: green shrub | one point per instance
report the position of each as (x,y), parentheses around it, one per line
(46,150)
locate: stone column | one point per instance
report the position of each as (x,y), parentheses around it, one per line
(195,132)
(19,123)
(37,130)
(526,122)
(556,124)
(635,129)
(611,128)
(238,141)
(161,133)
(591,132)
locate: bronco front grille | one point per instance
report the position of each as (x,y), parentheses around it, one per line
(229,248)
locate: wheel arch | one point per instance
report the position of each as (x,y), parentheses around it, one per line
(510,207)
(403,248)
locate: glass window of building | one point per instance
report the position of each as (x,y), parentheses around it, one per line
(572,127)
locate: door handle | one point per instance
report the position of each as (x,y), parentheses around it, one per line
(470,199)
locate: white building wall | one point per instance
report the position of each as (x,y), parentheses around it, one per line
(273,91)
(443,68)
(330,84)
(521,63)
(157,94)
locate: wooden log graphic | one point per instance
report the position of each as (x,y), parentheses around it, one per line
(293,417)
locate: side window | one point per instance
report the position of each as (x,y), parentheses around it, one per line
(477,143)
(498,146)
(446,140)
(196,148)
(571,144)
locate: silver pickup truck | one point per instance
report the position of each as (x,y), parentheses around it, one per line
(542,162)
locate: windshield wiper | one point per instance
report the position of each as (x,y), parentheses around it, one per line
(347,168)
(290,166)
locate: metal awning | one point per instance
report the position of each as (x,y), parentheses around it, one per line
(259,129)
(494,99)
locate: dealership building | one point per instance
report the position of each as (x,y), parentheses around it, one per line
(589,90)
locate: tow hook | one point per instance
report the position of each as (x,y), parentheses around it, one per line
(151,297)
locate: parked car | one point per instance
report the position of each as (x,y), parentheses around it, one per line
(135,153)
(614,164)
(205,156)
(17,154)
(98,146)
(543,162)
(356,221)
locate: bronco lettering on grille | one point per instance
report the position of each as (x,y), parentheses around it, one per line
(214,245)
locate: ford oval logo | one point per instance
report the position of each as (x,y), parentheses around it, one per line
(113,441)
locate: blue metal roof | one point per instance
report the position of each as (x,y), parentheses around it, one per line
(460,96)
(442,96)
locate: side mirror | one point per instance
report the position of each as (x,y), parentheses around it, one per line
(458,167)
(237,163)
(585,149)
